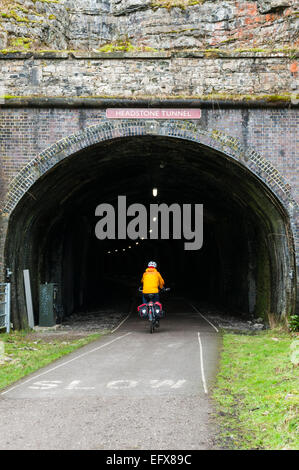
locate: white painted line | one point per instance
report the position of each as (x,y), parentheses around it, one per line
(74,386)
(122,384)
(125,319)
(65,363)
(202,366)
(215,328)
(167,383)
(45,384)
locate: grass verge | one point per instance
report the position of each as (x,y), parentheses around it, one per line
(257,392)
(23,352)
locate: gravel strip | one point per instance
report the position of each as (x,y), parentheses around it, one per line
(82,324)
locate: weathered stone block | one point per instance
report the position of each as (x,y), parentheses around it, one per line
(123,7)
(3,39)
(266,6)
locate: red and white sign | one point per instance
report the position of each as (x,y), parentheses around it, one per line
(153,113)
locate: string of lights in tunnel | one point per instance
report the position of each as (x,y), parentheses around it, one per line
(155,194)
(123,249)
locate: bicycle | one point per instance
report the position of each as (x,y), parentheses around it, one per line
(152,310)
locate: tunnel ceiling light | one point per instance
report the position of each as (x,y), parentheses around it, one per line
(155,192)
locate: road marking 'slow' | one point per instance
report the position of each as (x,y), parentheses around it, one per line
(45,385)
(114,385)
(65,363)
(215,328)
(202,366)
(122,384)
(168,383)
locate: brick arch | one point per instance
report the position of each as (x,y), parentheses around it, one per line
(215,139)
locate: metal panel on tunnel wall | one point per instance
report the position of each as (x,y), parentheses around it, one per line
(47,300)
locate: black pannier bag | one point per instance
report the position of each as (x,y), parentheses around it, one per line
(142,310)
(159,312)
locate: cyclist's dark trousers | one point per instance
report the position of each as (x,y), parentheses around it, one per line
(145,298)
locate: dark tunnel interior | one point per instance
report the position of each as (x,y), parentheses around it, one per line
(239,267)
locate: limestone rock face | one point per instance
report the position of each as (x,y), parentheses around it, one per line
(143,24)
(123,7)
(267,6)
(3,39)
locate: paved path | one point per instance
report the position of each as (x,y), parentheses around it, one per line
(128,390)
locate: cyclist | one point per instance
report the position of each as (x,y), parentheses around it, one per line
(152,281)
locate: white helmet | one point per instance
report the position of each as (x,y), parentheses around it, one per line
(152,264)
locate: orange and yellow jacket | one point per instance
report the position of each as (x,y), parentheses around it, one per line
(152,281)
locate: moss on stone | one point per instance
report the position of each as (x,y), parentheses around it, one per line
(124,45)
(209,97)
(251,49)
(15,11)
(117,46)
(13,15)
(214,52)
(169,4)
(9,51)
(23,43)
(285,50)
(24,10)
(46,1)
(226,41)
(226,140)
(9,97)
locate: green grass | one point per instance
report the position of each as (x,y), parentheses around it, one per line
(257,392)
(29,353)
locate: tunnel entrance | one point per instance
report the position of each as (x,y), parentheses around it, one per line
(243,265)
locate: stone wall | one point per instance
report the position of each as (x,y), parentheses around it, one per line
(131,75)
(155,24)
